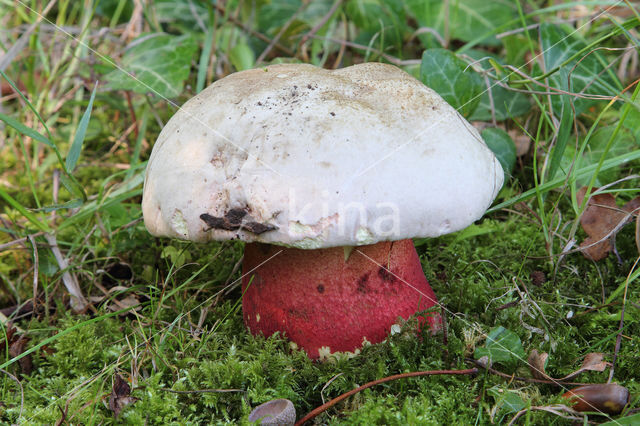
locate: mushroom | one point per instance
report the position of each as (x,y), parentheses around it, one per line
(274,412)
(326,175)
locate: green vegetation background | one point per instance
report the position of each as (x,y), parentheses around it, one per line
(540,78)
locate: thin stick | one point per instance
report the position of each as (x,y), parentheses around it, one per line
(254,33)
(320,23)
(346,395)
(284,28)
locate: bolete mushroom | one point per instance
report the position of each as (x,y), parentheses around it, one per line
(304,164)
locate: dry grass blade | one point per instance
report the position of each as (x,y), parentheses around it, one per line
(78,301)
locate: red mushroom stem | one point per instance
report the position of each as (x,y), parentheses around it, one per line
(325,303)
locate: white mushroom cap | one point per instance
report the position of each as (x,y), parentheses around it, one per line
(310,158)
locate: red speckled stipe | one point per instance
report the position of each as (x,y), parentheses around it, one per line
(320,300)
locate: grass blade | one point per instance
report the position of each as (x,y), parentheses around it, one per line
(76,146)
(27,131)
(26,213)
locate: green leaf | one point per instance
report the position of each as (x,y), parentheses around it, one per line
(487,226)
(242,57)
(78,139)
(452,78)
(508,401)
(506,103)
(176,256)
(502,345)
(27,131)
(466,20)
(158,63)
(72,185)
(503,147)
(586,74)
(187,16)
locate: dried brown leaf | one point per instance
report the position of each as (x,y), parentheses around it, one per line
(17,346)
(129,302)
(521,141)
(593,361)
(537,361)
(120,395)
(601,220)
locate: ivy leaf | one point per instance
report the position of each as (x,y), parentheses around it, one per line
(466,20)
(157,62)
(506,104)
(502,146)
(502,102)
(585,74)
(452,78)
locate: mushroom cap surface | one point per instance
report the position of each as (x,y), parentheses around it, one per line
(311,158)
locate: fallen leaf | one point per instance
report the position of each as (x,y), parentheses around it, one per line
(593,361)
(521,140)
(601,220)
(537,362)
(16,348)
(120,395)
(538,278)
(129,302)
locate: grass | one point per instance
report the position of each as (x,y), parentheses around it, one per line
(76,134)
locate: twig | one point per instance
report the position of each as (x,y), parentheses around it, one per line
(525,379)
(392,59)
(320,23)
(346,395)
(428,30)
(254,33)
(18,241)
(284,28)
